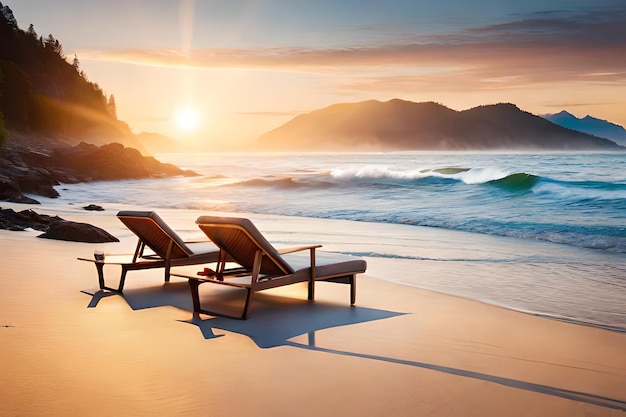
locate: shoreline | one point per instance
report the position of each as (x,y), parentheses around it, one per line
(446,253)
(400,350)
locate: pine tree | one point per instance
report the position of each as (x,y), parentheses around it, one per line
(54,45)
(112,107)
(31,31)
(76,64)
(49,42)
(58,49)
(8,15)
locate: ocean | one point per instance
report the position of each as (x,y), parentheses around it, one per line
(564,209)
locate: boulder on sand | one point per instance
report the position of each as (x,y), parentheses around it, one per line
(53,227)
(77,232)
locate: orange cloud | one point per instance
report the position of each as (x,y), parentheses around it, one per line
(540,48)
(523,60)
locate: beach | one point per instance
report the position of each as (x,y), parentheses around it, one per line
(401,350)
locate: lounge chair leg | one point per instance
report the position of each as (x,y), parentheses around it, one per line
(352,289)
(311,296)
(167,273)
(100,269)
(244,315)
(195,296)
(312,277)
(102,284)
(122,279)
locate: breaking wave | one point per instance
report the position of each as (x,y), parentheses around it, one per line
(384,177)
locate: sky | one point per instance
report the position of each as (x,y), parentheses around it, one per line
(220,73)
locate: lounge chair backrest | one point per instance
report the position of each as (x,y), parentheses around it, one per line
(155,233)
(241,239)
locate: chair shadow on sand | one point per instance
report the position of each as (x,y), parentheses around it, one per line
(278,319)
(275,324)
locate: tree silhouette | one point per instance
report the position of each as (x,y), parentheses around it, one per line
(15,95)
(76,63)
(31,31)
(8,16)
(42,92)
(49,42)
(112,107)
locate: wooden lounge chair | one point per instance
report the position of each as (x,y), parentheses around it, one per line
(168,248)
(261,266)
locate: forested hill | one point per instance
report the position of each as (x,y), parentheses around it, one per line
(42,93)
(55,125)
(403,125)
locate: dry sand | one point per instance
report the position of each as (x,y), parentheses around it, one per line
(400,351)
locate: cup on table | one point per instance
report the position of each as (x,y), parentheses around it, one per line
(98,255)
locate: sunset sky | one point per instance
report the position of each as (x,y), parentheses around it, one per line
(245,67)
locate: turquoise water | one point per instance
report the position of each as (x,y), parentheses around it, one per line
(562,216)
(574,199)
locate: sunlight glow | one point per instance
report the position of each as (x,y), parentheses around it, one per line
(188,119)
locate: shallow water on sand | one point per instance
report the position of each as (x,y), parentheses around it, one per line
(572,284)
(539,233)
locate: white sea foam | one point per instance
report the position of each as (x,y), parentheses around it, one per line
(377,171)
(487,195)
(482,175)
(468,176)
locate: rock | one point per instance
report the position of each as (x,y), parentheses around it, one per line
(8,222)
(94,207)
(36,181)
(9,191)
(53,227)
(36,170)
(77,232)
(18,176)
(109,162)
(18,221)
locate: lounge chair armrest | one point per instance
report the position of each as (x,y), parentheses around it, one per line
(297,249)
(198,241)
(112,255)
(122,259)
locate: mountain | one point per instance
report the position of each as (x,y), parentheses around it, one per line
(590,125)
(403,125)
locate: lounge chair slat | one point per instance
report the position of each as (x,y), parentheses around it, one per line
(169,248)
(274,268)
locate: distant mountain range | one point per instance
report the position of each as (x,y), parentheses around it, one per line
(47,100)
(398,125)
(590,125)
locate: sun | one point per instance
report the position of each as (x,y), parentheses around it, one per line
(188,119)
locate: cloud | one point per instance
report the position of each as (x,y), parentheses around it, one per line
(563,105)
(545,47)
(273,113)
(598,27)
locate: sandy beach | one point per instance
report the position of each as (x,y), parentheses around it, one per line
(400,351)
